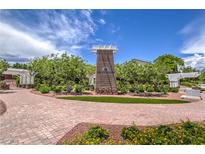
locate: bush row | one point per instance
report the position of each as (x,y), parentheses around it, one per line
(180,134)
(123,90)
(57,89)
(147,88)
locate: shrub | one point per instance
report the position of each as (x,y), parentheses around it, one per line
(129,132)
(165,89)
(57,89)
(63,88)
(37,87)
(97,132)
(191,133)
(69,88)
(78,88)
(91,87)
(149,88)
(187,84)
(179,134)
(123,90)
(163,130)
(191,128)
(95,135)
(17,81)
(158,88)
(52,88)
(44,89)
(174,89)
(141,88)
(87,87)
(185,133)
(145,137)
(132,89)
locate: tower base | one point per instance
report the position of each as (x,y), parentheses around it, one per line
(106,91)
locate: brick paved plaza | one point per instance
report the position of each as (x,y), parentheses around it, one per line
(36,119)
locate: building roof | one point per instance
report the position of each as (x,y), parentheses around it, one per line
(16,70)
(140,61)
(178,76)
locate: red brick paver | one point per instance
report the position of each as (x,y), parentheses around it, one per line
(36,119)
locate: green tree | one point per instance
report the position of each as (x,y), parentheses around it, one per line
(188,69)
(202,76)
(90,69)
(132,73)
(20,66)
(73,69)
(3,66)
(44,69)
(59,70)
(170,62)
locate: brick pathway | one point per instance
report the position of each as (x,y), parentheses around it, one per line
(36,119)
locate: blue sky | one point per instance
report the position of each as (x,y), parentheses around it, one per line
(140,34)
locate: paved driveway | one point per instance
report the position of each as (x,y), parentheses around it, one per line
(36,119)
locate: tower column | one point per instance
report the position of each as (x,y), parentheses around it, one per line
(105,73)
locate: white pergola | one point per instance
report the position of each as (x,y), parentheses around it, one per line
(104,48)
(26,77)
(92,79)
(175,77)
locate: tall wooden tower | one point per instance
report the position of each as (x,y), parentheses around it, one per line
(105,73)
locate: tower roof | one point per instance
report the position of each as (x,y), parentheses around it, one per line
(104,47)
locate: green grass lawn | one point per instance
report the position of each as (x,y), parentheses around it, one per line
(123,100)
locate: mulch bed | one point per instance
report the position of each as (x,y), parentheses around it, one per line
(39,93)
(2,107)
(130,95)
(53,94)
(114,131)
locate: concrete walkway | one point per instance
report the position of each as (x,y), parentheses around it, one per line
(36,119)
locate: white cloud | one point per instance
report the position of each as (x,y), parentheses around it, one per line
(196,61)
(76,47)
(194,44)
(102,21)
(69,27)
(42,32)
(114,28)
(19,43)
(103,12)
(99,40)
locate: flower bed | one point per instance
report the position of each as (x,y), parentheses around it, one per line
(177,134)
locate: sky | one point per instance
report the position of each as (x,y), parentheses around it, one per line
(138,34)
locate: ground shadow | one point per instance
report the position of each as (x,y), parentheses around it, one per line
(7,92)
(3,107)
